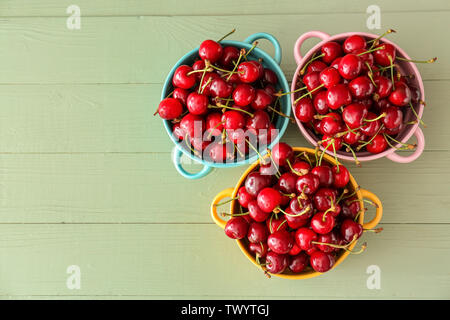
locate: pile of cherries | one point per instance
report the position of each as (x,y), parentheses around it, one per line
(296,213)
(220,100)
(354,96)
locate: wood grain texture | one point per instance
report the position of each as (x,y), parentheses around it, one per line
(143,49)
(119,118)
(162,261)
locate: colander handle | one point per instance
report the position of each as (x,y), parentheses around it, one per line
(222,194)
(272,39)
(177,162)
(379,211)
(419,149)
(298,44)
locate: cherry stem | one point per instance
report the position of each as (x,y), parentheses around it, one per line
(241,53)
(375,41)
(302,71)
(261,158)
(215,127)
(279,226)
(293,170)
(377,230)
(406,145)
(323,152)
(305,211)
(282,114)
(332,208)
(225,202)
(392,72)
(223,70)
(417,116)
(223,214)
(203,87)
(337,246)
(269,153)
(349,149)
(280,94)
(359,213)
(220,106)
(353,193)
(309,92)
(344,192)
(370,50)
(365,143)
(366,201)
(377,118)
(418,61)
(229,33)
(370,74)
(250,50)
(206,69)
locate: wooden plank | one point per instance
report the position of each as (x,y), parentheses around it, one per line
(146,188)
(203,7)
(118,118)
(199,261)
(143,49)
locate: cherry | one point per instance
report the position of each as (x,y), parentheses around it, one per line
(304,110)
(335,63)
(268,199)
(193,125)
(331,143)
(321,261)
(269,76)
(366,59)
(394,131)
(329,77)
(214,124)
(177,131)
(295,250)
(281,153)
(354,114)
(255,182)
(229,55)
(301,167)
(287,182)
(243,94)
(182,79)
(220,88)
(323,198)
(280,242)
(181,95)
(324,174)
(350,208)
(299,262)
(338,96)
(236,228)
(308,184)
(304,238)
(257,232)
(244,197)
(320,102)
(197,103)
(322,224)
(378,144)
(199,143)
(401,95)
(393,118)
(258,248)
(350,66)
(249,71)
(221,152)
(205,87)
(270,90)
(351,138)
(233,120)
(210,50)
(341,176)
(296,222)
(361,87)
(415,94)
(326,238)
(386,55)
(260,120)
(349,229)
(384,87)
(262,100)
(276,263)
(274,224)
(302,208)
(170,108)
(353,43)
(331,124)
(311,80)
(256,213)
(371,127)
(316,65)
(331,50)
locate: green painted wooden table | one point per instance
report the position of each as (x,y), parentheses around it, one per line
(85,172)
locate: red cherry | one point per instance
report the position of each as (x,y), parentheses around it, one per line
(193,125)
(243,94)
(214,125)
(197,103)
(361,87)
(287,182)
(350,208)
(302,167)
(401,96)
(335,63)
(177,131)
(393,118)
(248,71)
(326,238)
(311,80)
(221,152)
(321,223)
(349,229)
(281,153)
(233,120)
(386,56)
(236,228)
(244,197)
(259,249)
(220,88)
(350,66)
(354,114)
(268,199)
(307,184)
(256,213)
(182,79)
(170,108)
(304,237)
(210,50)
(354,43)
(259,121)
(329,77)
(331,50)
(320,102)
(255,182)
(257,232)
(331,124)
(206,83)
(295,250)
(274,224)
(299,262)
(341,176)
(316,65)
(321,261)
(324,174)
(280,242)
(262,100)
(323,199)
(338,96)
(371,127)
(269,76)
(229,55)
(181,95)
(276,263)
(332,143)
(351,138)
(377,145)
(304,110)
